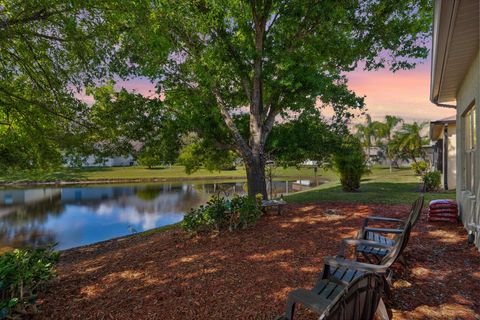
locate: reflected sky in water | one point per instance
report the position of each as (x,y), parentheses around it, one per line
(81,215)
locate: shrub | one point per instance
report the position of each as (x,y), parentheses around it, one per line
(23,273)
(245,212)
(420,167)
(349,160)
(432,180)
(222,213)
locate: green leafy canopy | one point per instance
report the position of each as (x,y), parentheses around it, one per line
(212,61)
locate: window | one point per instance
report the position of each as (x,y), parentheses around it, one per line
(470,146)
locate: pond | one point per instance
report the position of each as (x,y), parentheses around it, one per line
(79,215)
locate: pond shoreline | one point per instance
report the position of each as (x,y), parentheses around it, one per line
(135,180)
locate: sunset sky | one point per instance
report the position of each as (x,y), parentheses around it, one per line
(404,93)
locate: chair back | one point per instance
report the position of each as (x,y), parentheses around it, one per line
(417,209)
(359,299)
(400,243)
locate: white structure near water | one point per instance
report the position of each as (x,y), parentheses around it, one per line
(455,83)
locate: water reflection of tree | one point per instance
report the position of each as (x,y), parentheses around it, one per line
(24,226)
(148,193)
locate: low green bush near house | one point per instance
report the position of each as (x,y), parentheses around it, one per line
(23,273)
(419,167)
(221,213)
(432,180)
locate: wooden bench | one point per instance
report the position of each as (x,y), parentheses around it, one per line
(279,204)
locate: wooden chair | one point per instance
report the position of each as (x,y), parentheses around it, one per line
(390,254)
(374,255)
(340,274)
(334,299)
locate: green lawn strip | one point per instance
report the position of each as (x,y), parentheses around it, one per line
(142,173)
(381,186)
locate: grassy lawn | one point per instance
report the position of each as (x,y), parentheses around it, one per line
(143,173)
(381,186)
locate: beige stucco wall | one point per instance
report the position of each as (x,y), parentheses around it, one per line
(469,204)
(452,156)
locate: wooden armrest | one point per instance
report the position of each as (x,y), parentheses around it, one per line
(381,219)
(362,242)
(384,230)
(350,264)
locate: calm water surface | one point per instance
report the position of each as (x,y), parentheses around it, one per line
(80,215)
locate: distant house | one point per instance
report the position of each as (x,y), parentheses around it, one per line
(455,83)
(443,133)
(109,162)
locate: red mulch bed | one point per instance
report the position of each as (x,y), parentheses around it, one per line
(247,274)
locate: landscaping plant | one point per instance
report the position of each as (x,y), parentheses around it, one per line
(420,167)
(432,180)
(349,160)
(221,213)
(23,273)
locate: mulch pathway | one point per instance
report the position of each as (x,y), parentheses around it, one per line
(247,274)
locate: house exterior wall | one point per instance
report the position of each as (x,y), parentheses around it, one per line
(469,202)
(452,156)
(90,161)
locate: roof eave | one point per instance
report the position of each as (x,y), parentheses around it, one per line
(442,31)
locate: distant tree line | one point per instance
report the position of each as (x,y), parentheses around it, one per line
(395,139)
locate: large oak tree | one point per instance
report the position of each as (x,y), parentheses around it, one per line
(213,61)
(271,58)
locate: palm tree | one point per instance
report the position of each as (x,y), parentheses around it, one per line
(385,130)
(409,141)
(366,133)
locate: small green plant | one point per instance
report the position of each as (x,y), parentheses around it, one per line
(349,160)
(432,180)
(222,213)
(23,273)
(245,211)
(419,167)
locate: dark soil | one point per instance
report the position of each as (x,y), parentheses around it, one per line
(247,274)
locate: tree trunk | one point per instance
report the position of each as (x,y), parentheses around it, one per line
(255,167)
(413,158)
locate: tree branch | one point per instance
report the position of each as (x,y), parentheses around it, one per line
(41,14)
(267,127)
(241,67)
(240,141)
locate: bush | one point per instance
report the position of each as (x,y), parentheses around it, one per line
(349,160)
(432,180)
(222,213)
(23,273)
(420,167)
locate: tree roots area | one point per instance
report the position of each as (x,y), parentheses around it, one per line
(247,274)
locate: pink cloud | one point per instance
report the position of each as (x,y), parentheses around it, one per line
(404,93)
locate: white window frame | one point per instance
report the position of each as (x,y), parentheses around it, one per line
(469,147)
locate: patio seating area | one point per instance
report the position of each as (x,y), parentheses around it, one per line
(248,274)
